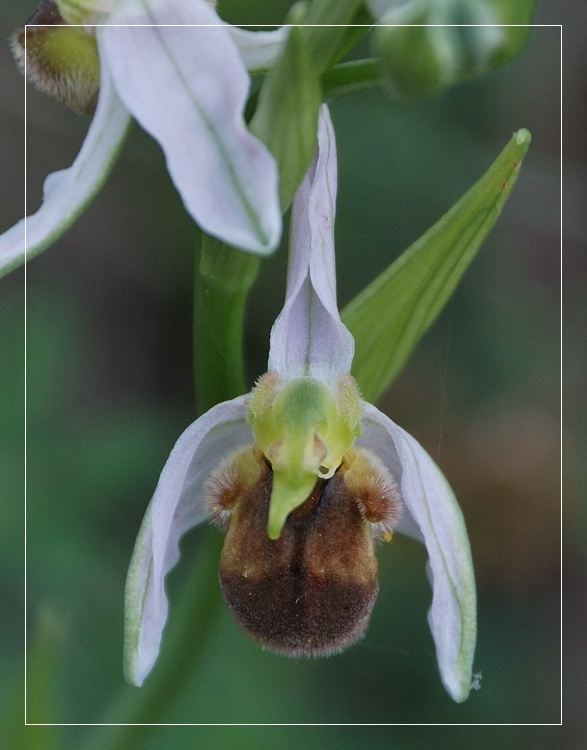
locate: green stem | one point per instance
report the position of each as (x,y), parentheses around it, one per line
(223,279)
(349,77)
(327,28)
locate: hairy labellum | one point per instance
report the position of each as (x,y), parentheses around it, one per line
(310,592)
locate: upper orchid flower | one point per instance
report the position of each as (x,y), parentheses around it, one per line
(182,74)
(306,478)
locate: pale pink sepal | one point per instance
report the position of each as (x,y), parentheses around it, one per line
(67,192)
(187,86)
(309,338)
(433,508)
(177,506)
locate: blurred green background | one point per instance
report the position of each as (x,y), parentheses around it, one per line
(109,389)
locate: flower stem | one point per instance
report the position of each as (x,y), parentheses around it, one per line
(223,279)
(349,77)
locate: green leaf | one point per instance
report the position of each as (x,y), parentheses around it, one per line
(389,317)
(328,27)
(286,117)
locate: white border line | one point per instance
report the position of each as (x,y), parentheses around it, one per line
(266,27)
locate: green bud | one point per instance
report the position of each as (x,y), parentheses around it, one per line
(426,45)
(60,60)
(494,40)
(513,38)
(415,60)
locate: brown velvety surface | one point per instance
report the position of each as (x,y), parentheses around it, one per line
(311,591)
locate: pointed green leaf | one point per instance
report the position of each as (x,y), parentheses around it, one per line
(389,317)
(286,117)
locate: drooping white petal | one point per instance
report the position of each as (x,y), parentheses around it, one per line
(176,507)
(187,86)
(258,49)
(66,193)
(308,337)
(433,507)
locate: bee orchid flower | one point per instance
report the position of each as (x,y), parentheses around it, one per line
(305,478)
(181,72)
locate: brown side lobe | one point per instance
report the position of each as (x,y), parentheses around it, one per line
(47,13)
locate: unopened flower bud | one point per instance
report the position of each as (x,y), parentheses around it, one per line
(415,60)
(426,45)
(497,45)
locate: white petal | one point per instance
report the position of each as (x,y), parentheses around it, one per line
(433,506)
(187,86)
(66,193)
(176,507)
(308,337)
(259,49)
